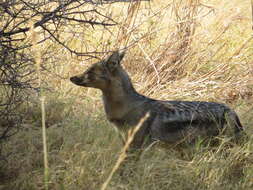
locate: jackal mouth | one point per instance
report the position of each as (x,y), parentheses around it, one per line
(77,80)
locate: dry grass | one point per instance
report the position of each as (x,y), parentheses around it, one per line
(187,50)
(123,153)
(37,56)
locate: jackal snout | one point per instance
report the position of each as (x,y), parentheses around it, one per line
(89,78)
(76,80)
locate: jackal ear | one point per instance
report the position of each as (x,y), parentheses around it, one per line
(113,61)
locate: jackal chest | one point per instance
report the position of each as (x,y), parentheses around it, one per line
(122,119)
(119,118)
(117,122)
(114,112)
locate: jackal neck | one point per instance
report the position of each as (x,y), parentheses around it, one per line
(120,96)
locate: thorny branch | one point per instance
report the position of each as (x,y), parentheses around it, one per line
(16,62)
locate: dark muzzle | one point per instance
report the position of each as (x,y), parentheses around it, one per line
(76,80)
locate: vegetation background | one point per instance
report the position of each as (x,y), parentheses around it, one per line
(177,50)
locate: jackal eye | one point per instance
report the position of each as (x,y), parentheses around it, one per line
(103,64)
(89,76)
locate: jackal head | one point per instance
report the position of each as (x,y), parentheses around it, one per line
(100,74)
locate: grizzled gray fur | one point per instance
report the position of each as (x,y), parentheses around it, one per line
(169,121)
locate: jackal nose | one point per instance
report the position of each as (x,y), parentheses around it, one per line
(75,80)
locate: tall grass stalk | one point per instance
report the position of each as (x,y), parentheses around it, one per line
(46,168)
(123,154)
(252,13)
(42,98)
